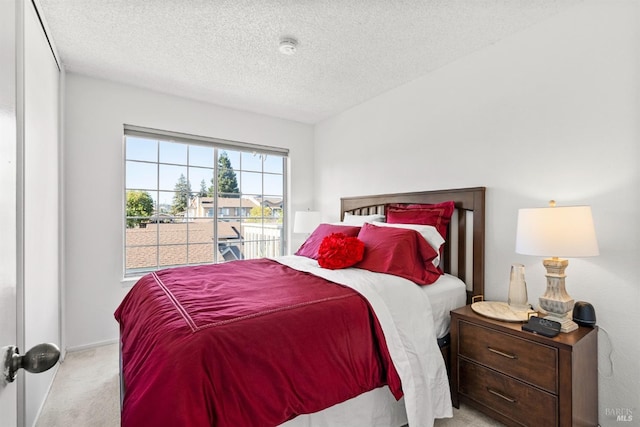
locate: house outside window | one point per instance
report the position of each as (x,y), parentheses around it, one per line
(175,184)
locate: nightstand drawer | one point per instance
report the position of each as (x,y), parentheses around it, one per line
(520,402)
(526,360)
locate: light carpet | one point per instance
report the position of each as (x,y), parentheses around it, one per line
(86,392)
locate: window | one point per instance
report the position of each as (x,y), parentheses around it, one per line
(175,184)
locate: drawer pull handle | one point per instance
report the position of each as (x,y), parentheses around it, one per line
(502,353)
(501,396)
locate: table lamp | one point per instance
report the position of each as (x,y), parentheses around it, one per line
(566,232)
(306,221)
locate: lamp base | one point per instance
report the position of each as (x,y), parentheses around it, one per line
(566,322)
(556,304)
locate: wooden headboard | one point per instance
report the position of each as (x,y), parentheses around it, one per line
(464,246)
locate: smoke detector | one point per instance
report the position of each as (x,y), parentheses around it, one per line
(288,45)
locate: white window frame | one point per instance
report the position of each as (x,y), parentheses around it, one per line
(217,145)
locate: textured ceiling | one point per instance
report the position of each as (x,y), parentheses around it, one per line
(226,52)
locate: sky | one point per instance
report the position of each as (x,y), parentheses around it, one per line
(155,166)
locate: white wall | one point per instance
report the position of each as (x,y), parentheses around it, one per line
(95,112)
(551,112)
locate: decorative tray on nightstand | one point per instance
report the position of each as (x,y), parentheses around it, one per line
(499,310)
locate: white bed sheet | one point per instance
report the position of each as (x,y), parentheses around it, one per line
(405,314)
(446,294)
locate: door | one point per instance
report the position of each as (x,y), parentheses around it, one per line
(8,202)
(41,203)
(29,211)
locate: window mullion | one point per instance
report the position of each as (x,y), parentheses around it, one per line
(186,214)
(157,208)
(214,184)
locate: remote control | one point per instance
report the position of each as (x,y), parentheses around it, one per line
(545,327)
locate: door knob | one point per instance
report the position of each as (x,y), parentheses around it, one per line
(39,359)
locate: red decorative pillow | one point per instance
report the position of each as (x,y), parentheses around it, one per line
(398,251)
(437,215)
(340,251)
(310,247)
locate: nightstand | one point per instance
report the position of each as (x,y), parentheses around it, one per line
(523,379)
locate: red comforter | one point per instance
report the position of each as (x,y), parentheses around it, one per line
(245,343)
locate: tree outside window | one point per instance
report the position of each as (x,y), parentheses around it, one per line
(182,196)
(227,180)
(139,204)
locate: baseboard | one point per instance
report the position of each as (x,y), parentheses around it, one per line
(90,346)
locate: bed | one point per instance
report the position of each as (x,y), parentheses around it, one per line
(297,363)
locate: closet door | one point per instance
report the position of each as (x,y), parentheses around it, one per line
(41,203)
(29,209)
(8,203)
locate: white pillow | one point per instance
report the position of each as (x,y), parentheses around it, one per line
(361,219)
(428,232)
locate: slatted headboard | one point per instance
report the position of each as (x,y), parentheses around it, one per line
(464,247)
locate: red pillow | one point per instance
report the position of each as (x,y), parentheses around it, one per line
(398,251)
(310,247)
(339,251)
(437,215)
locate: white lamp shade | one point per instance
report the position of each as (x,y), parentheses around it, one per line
(565,232)
(306,221)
